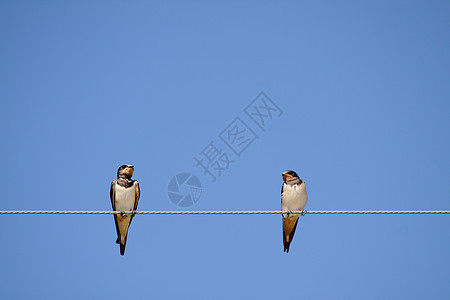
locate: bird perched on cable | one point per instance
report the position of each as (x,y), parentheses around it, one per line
(293,197)
(124,196)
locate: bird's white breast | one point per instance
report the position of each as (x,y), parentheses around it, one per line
(125,198)
(294,197)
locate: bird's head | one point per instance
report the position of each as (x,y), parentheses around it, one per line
(289,175)
(125,171)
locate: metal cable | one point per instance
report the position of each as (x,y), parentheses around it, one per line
(263,212)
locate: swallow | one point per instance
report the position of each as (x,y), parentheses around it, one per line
(293,197)
(124,196)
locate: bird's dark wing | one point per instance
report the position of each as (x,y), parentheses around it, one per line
(112,195)
(137,193)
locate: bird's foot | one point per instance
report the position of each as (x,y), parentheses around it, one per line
(304,212)
(121,213)
(133,213)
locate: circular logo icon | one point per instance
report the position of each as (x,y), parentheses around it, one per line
(184,189)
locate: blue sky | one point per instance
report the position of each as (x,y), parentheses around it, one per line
(364,101)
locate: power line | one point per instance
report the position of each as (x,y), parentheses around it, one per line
(261,212)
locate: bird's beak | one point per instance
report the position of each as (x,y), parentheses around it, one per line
(129,170)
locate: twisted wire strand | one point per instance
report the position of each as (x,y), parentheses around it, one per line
(261,212)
